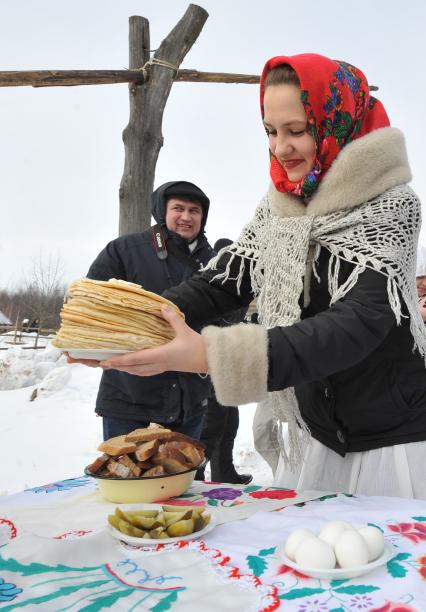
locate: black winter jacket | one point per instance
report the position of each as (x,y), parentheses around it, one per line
(358,382)
(166,397)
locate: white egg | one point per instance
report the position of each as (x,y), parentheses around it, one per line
(351,549)
(374,540)
(294,539)
(331,531)
(315,553)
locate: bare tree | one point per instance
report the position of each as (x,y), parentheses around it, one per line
(42,292)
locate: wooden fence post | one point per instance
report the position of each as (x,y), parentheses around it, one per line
(143,137)
(134,209)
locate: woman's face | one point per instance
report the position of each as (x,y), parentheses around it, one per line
(286,125)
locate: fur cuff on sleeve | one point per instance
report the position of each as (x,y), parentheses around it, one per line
(238,362)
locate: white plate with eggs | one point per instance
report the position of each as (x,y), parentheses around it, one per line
(340,573)
(339,551)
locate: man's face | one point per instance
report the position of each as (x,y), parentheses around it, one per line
(421,285)
(184,218)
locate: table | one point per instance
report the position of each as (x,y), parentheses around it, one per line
(56,555)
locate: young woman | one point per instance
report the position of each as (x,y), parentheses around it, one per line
(330,257)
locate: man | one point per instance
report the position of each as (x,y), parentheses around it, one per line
(159,258)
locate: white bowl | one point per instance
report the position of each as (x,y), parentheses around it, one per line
(153,542)
(339,573)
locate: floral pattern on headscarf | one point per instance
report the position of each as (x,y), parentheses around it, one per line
(338,107)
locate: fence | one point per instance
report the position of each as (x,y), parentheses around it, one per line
(32,337)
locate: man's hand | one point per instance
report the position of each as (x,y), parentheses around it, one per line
(185,353)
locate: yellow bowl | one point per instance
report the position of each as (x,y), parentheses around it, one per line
(144,490)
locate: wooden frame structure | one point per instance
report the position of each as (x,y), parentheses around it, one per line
(150,79)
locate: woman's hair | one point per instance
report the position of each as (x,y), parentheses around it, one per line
(281,75)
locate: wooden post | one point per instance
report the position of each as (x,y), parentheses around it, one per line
(37,337)
(134,212)
(143,137)
(16,327)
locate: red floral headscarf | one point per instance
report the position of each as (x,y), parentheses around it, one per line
(338,107)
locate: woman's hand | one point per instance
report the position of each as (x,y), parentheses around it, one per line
(185,353)
(92,363)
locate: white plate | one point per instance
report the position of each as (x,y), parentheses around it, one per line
(97,354)
(339,573)
(151,542)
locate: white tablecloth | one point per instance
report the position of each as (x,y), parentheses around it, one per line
(57,555)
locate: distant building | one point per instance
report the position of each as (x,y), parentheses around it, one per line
(4,320)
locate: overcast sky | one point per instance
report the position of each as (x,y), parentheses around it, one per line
(61,151)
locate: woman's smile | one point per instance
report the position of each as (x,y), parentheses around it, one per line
(291,163)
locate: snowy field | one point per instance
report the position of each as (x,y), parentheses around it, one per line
(55,435)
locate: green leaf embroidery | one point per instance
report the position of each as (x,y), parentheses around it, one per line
(396,570)
(419,518)
(336,583)
(337,610)
(213,502)
(400,557)
(62,592)
(376,526)
(251,488)
(39,568)
(107,601)
(267,551)
(256,564)
(356,589)
(165,603)
(296,593)
(324,497)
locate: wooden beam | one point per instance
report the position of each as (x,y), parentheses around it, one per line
(194,76)
(59,78)
(70,78)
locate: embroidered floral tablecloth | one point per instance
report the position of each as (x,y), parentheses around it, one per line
(56,555)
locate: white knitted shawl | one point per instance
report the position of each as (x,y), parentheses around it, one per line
(361,213)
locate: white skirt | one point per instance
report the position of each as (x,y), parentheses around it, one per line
(394,471)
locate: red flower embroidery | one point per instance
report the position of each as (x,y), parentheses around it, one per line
(422,568)
(72,534)
(391,606)
(11,527)
(415,532)
(273,494)
(284,569)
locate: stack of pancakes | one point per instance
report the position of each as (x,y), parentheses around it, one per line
(112,314)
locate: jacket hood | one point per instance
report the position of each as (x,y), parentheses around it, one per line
(185,189)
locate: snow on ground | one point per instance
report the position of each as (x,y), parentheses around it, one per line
(55,435)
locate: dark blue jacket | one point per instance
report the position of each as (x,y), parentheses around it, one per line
(166,397)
